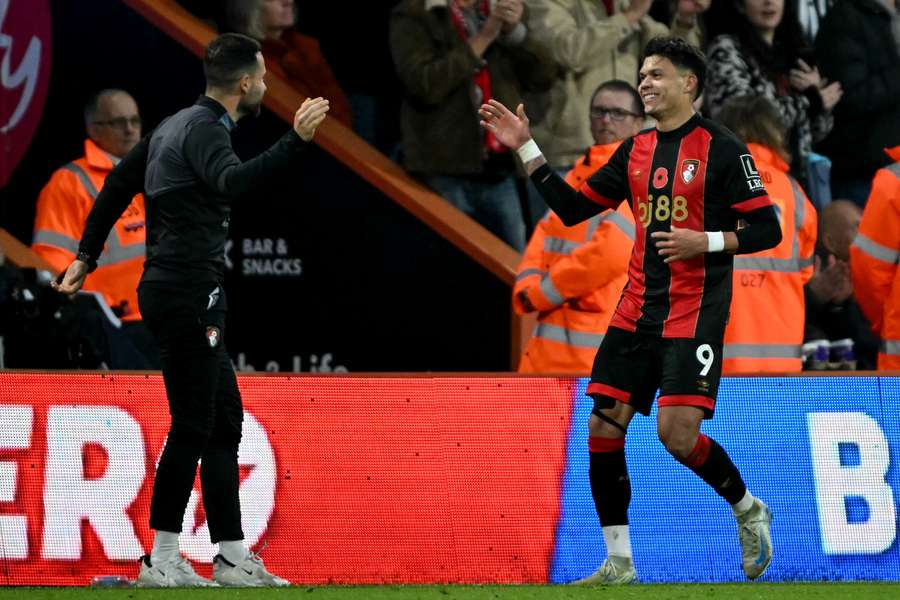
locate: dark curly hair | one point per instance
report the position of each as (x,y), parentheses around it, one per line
(682,55)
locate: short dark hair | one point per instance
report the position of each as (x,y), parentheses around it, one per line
(617,85)
(755,120)
(227,58)
(682,55)
(93,103)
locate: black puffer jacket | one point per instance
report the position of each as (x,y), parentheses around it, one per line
(855,46)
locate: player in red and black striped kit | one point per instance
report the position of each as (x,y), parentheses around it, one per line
(689,182)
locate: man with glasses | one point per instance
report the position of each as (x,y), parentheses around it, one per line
(113,126)
(573,276)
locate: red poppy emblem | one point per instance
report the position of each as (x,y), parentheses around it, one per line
(660,177)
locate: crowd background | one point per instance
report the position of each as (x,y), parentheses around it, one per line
(371,287)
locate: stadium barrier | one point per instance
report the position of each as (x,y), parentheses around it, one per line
(355,479)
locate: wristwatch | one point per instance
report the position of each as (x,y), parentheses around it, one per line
(85,257)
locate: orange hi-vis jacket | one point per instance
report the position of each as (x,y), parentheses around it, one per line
(768,311)
(62,210)
(874,257)
(574,276)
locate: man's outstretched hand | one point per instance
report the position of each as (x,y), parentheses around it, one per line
(510,129)
(73,278)
(309,116)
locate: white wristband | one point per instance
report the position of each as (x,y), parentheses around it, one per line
(528,151)
(715,241)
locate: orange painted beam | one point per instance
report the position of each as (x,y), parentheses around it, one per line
(21,255)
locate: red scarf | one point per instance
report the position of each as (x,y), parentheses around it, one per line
(483,75)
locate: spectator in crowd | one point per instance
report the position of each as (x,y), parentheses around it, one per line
(810,14)
(573,276)
(368,78)
(859,46)
(765,54)
(592,42)
(288,53)
(113,126)
(765,330)
(451,56)
(874,258)
(832,312)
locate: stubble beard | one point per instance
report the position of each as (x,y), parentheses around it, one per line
(250,109)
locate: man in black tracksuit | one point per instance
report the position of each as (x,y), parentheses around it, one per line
(189,175)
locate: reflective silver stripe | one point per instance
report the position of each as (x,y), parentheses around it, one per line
(876,250)
(807,262)
(762,263)
(551,293)
(891,347)
(116,253)
(85,180)
(799,204)
(799,214)
(568,336)
(113,253)
(762,351)
(782,265)
(593,224)
(895,169)
(529,273)
(559,245)
(57,240)
(622,223)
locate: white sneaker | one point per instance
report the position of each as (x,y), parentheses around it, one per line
(170,573)
(614,570)
(250,572)
(756,539)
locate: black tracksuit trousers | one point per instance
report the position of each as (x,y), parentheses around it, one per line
(188,322)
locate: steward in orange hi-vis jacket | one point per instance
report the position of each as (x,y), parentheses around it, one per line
(62,210)
(874,257)
(573,277)
(765,329)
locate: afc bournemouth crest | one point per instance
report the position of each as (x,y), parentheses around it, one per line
(212,336)
(689,169)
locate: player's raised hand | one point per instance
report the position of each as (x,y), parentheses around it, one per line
(680,244)
(73,278)
(309,116)
(510,129)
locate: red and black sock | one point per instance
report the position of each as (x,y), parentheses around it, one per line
(710,461)
(610,486)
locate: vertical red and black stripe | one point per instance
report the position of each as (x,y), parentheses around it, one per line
(688,277)
(640,159)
